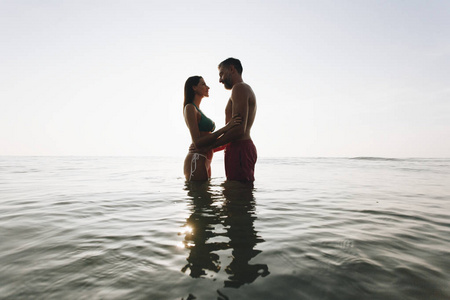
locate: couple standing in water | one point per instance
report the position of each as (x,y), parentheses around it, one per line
(234,137)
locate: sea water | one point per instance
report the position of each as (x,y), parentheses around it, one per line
(309,228)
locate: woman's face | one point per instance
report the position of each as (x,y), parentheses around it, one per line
(201,88)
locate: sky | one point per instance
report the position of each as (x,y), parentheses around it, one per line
(332,78)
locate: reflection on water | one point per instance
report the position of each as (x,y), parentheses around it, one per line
(199,229)
(222,220)
(341,229)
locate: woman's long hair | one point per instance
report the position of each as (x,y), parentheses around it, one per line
(189,93)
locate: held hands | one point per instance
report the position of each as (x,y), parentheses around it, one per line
(235,121)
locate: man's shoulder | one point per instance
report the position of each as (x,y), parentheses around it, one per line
(241,88)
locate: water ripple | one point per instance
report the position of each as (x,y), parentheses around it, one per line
(130,228)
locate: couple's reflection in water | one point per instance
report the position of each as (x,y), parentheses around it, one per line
(222,218)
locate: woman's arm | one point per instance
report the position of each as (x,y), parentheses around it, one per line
(201,141)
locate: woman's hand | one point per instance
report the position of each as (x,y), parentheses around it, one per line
(235,120)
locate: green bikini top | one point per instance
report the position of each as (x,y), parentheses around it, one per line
(205,123)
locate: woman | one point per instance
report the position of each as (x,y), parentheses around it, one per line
(197,165)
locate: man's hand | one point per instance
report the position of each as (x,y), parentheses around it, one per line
(193,149)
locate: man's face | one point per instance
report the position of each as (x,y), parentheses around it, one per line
(225,77)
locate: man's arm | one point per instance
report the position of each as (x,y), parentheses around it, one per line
(199,141)
(228,111)
(239,102)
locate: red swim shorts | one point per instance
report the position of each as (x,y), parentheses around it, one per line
(240,160)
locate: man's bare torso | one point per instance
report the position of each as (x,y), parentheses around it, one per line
(246,107)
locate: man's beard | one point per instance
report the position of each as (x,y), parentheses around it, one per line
(227,84)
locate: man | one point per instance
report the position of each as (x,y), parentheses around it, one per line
(240,152)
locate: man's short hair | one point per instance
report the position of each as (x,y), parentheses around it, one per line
(232,62)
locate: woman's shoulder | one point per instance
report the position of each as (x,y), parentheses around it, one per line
(190,108)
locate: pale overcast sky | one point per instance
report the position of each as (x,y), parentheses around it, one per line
(332,78)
